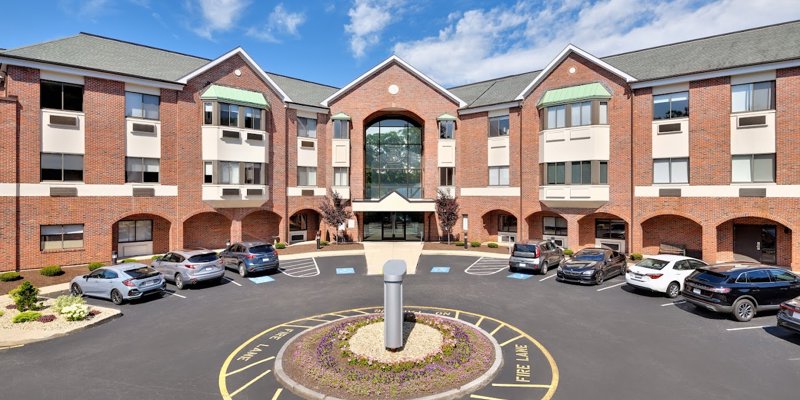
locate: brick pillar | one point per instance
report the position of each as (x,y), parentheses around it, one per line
(236,229)
(710,243)
(573,231)
(8,176)
(795,252)
(635,236)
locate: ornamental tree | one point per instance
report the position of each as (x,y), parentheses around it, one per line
(333,212)
(447,211)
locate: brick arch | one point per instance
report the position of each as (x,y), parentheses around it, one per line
(534,222)
(160,236)
(313,221)
(261,225)
(387,114)
(489,228)
(207,229)
(674,229)
(586,229)
(726,238)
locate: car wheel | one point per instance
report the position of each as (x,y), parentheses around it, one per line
(116,297)
(511,269)
(179,282)
(543,269)
(673,290)
(744,310)
(242,270)
(599,278)
(76,290)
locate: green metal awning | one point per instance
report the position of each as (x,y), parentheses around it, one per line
(237,96)
(574,93)
(446,117)
(341,115)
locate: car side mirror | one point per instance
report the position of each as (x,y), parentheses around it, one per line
(86,277)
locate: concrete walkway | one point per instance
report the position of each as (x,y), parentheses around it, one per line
(377,253)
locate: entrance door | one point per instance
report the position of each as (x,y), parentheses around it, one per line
(755,243)
(394,226)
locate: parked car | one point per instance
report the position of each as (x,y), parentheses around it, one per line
(537,256)
(741,289)
(789,316)
(130,281)
(185,267)
(592,266)
(249,257)
(662,273)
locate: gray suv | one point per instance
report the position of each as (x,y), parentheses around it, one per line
(536,255)
(184,267)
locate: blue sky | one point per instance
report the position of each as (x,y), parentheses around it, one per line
(333,42)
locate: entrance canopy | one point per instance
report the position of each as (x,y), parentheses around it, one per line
(393,202)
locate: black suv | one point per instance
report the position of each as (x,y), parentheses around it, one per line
(741,289)
(536,255)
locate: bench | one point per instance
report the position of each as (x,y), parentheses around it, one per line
(674,249)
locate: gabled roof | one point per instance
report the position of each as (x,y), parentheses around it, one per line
(301,91)
(249,60)
(494,91)
(397,60)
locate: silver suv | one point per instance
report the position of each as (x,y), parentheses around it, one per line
(184,267)
(536,255)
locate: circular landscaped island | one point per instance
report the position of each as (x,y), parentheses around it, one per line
(441,357)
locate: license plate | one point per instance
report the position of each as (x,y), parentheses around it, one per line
(154,281)
(208,269)
(697,291)
(637,276)
(265,259)
(522,265)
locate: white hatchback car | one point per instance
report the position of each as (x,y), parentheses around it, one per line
(662,273)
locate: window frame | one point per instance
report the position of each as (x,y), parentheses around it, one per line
(144,115)
(303,129)
(555,228)
(62,234)
(555,165)
(206,175)
(341,129)
(257,123)
(337,182)
(208,113)
(143,170)
(506,218)
(670,161)
(449,177)
(61,85)
(499,169)
(581,166)
(63,174)
(496,120)
(135,231)
(610,230)
(749,97)
(447,129)
(307,182)
(669,102)
(752,167)
(583,120)
(228,107)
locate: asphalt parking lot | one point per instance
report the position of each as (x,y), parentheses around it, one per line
(607,342)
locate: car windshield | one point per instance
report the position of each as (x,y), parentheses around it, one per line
(652,263)
(711,277)
(261,249)
(143,272)
(588,255)
(524,250)
(201,258)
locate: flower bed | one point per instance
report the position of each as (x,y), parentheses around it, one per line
(322,360)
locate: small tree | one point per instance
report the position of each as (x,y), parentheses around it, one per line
(333,211)
(447,211)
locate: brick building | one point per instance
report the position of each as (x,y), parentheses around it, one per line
(114,146)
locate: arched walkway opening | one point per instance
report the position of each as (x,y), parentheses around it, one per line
(603,229)
(548,225)
(500,226)
(141,234)
(674,231)
(210,230)
(754,239)
(303,225)
(261,226)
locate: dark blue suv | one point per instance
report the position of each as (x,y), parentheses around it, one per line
(249,257)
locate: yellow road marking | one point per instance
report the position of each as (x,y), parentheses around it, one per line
(497,329)
(250,366)
(358,311)
(477,396)
(510,340)
(246,385)
(457,314)
(479,321)
(316,319)
(337,315)
(277,393)
(297,326)
(523,385)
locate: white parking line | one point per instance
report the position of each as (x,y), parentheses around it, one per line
(304,268)
(547,277)
(176,295)
(674,303)
(483,267)
(794,359)
(612,286)
(232,281)
(746,328)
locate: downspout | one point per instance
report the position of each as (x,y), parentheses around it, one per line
(632,173)
(286,171)
(522,219)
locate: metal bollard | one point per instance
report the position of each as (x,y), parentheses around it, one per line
(393,273)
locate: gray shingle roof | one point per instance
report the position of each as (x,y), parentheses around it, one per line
(494,91)
(110,55)
(303,92)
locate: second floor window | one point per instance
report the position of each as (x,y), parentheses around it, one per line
(757,96)
(556,173)
(253,173)
(581,113)
(141,170)
(341,176)
(498,126)
(446,175)
(306,176)
(447,129)
(556,117)
(228,173)
(61,96)
(341,129)
(581,172)
(140,105)
(673,105)
(498,176)
(208,172)
(671,170)
(252,118)
(753,168)
(208,113)
(62,167)
(306,127)
(228,114)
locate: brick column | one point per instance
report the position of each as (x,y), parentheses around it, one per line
(710,243)
(8,176)
(636,236)
(573,231)
(795,252)
(236,229)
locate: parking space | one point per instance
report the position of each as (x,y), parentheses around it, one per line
(487,266)
(300,268)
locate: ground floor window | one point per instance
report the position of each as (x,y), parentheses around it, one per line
(555,226)
(507,223)
(609,229)
(58,237)
(298,222)
(135,231)
(341,176)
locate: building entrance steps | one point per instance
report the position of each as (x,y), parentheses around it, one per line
(377,253)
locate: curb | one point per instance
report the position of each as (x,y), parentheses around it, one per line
(457,393)
(317,254)
(462,253)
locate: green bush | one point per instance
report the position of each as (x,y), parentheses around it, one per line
(95,265)
(76,312)
(324,242)
(9,276)
(568,252)
(1,313)
(25,296)
(52,270)
(153,258)
(64,301)
(26,316)
(280,245)
(128,260)
(475,243)
(636,256)
(492,245)
(460,244)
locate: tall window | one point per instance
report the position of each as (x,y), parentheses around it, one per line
(228,114)
(306,127)
(306,176)
(555,226)
(581,172)
(672,105)
(446,176)
(498,126)
(341,176)
(671,170)
(757,96)
(447,129)
(135,231)
(604,172)
(603,113)
(581,113)
(753,168)
(393,158)
(61,96)
(556,173)
(556,117)
(208,113)
(498,176)
(506,223)
(141,105)
(142,170)
(252,118)
(228,173)
(57,237)
(341,129)
(253,173)
(61,167)
(208,172)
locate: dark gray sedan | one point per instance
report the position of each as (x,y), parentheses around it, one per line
(129,281)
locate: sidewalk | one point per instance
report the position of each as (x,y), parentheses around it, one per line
(377,253)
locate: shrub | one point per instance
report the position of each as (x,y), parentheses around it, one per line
(153,258)
(568,252)
(128,260)
(25,296)
(65,301)
(324,242)
(9,276)
(52,270)
(1,313)
(26,316)
(47,318)
(75,312)
(475,243)
(636,256)
(280,245)
(95,265)
(458,244)
(492,245)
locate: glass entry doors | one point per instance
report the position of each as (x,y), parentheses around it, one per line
(393,225)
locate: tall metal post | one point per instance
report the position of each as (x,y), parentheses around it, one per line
(393,273)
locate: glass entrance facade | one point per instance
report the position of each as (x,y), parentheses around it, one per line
(393,225)
(393,158)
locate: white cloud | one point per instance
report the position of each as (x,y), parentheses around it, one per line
(280,21)
(85,9)
(488,43)
(219,15)
(368,18)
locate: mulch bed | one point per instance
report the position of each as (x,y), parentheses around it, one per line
(38,280)
(445,246)
(312,248)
